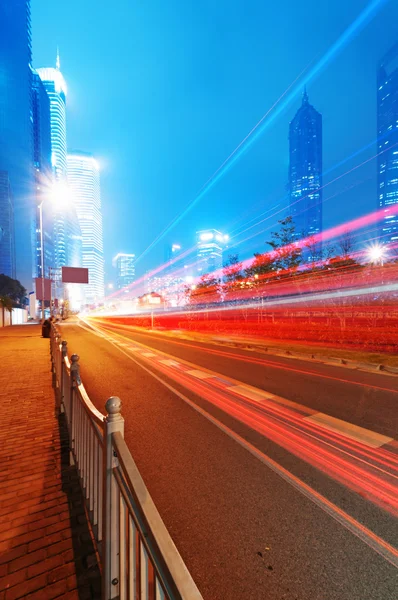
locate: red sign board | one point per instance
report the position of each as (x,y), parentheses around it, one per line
(39,289)
(74,275)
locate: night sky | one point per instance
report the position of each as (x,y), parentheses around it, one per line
(162,92)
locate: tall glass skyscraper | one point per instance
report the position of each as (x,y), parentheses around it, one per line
(7,239)
(84,185)
(67,235)
(15,125)
(210,245)
(125,269)
(305,170)
(43,176)
(387,135)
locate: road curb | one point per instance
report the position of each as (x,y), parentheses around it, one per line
(346,362)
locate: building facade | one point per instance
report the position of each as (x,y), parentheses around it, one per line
(67,234)
(387,136)
(84,186)
(7,238)
(43,177)
(15,125)
(125,269)
(210,245)
(305,171)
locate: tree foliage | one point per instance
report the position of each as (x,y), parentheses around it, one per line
(233,275)
(12,288)
(287,254)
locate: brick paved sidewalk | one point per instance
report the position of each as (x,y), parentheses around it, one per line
(45,545)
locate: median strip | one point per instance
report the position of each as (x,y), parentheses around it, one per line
(354,432)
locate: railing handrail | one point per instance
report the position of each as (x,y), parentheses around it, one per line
(178,570)
(94,435)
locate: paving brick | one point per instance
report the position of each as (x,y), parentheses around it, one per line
(13,579)
(49,592)
(23,589)
(27,559)
(46,565)
(6,557)
(43,531)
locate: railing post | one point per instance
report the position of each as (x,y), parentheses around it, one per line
(74,381)
(111,506)
(64,354)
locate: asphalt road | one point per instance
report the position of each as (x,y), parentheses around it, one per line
(261,503)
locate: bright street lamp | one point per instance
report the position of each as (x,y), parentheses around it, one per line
(376,254)
(59,194)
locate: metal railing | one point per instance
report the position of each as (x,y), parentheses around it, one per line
(139,560)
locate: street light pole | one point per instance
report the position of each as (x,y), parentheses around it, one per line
(42,258)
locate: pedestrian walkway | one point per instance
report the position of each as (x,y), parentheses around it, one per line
(46,549)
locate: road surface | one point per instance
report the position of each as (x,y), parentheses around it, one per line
(276,478)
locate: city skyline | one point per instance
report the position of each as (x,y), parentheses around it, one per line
(257,183)
(56,88)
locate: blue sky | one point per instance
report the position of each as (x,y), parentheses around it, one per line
(162,92)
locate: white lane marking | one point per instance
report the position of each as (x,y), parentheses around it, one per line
(133,348)
(242,390)
(354,432)
(376,543)
(148,354)
(199,374)
(169,362)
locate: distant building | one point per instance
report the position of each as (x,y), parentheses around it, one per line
(67,234)
(305,170)
(41,121)
(171,252)
(387,134)
(84,186)
(125,269)
(15,126)
(7,239)
(210,245)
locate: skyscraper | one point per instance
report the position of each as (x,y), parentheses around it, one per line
(42,175)
(210,244)
(387,135)
(305,170)
(125,269)
(84,185)
(67,235)
(15,125)
(7,240)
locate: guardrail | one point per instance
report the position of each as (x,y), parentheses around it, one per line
(139,560)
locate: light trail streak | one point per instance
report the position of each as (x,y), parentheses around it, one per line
(359,23)
(329,452)
(249,359)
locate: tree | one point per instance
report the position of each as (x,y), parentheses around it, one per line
(232,275)
(6,304)
(206,291)
(287,254)
(314,249)
(12,288)
(346,244)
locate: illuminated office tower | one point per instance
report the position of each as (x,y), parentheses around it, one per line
(210,245)
(67,235)
(7,240)
(125,269)
(305,171)
(84,186)
(387,134)
(16,131)
(41,122)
